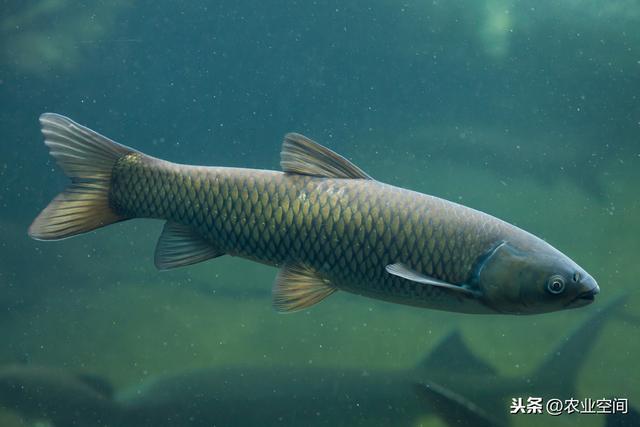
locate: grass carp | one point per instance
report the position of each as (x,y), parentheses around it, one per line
(323,221)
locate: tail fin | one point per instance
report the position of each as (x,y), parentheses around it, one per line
(88,159)
(558,373)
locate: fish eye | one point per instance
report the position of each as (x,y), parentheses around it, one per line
(556,285)
(576,276)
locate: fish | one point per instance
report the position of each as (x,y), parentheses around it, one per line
(472,382)
(280,395)
(58,395)
(450,382)
(513,156)
(224,396)
(324,222)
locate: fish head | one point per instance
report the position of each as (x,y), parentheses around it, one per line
(533,279)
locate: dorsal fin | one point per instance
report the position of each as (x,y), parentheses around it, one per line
(301,155)
(456,409)
(453,355)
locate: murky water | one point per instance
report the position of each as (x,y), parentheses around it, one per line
(528,111)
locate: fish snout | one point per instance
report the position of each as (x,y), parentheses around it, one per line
(588,288)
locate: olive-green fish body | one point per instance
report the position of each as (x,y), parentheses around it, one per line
(343,229)
(323,221)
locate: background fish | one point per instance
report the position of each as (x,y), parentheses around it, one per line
(60,396)
(450,382)
(324,221)
(529,115)
(470,382)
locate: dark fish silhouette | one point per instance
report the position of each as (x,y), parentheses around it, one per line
(450,382)
(60,396)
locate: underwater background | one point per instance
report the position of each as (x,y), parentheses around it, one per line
(526,110)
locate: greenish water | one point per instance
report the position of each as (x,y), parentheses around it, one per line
(528,111)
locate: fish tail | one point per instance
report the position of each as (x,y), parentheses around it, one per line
(88,159)
(559,372)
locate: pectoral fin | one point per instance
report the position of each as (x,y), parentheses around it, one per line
(298,287)
(179,246)
(407,273)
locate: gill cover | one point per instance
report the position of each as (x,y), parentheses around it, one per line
(499,276)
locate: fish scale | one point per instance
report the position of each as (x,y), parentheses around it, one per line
(346,230)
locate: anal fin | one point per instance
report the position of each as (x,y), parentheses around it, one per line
(179,246)
(299,287)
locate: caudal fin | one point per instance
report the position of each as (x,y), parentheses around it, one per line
(558,373)
(88,159)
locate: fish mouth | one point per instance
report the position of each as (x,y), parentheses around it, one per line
(588,295)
